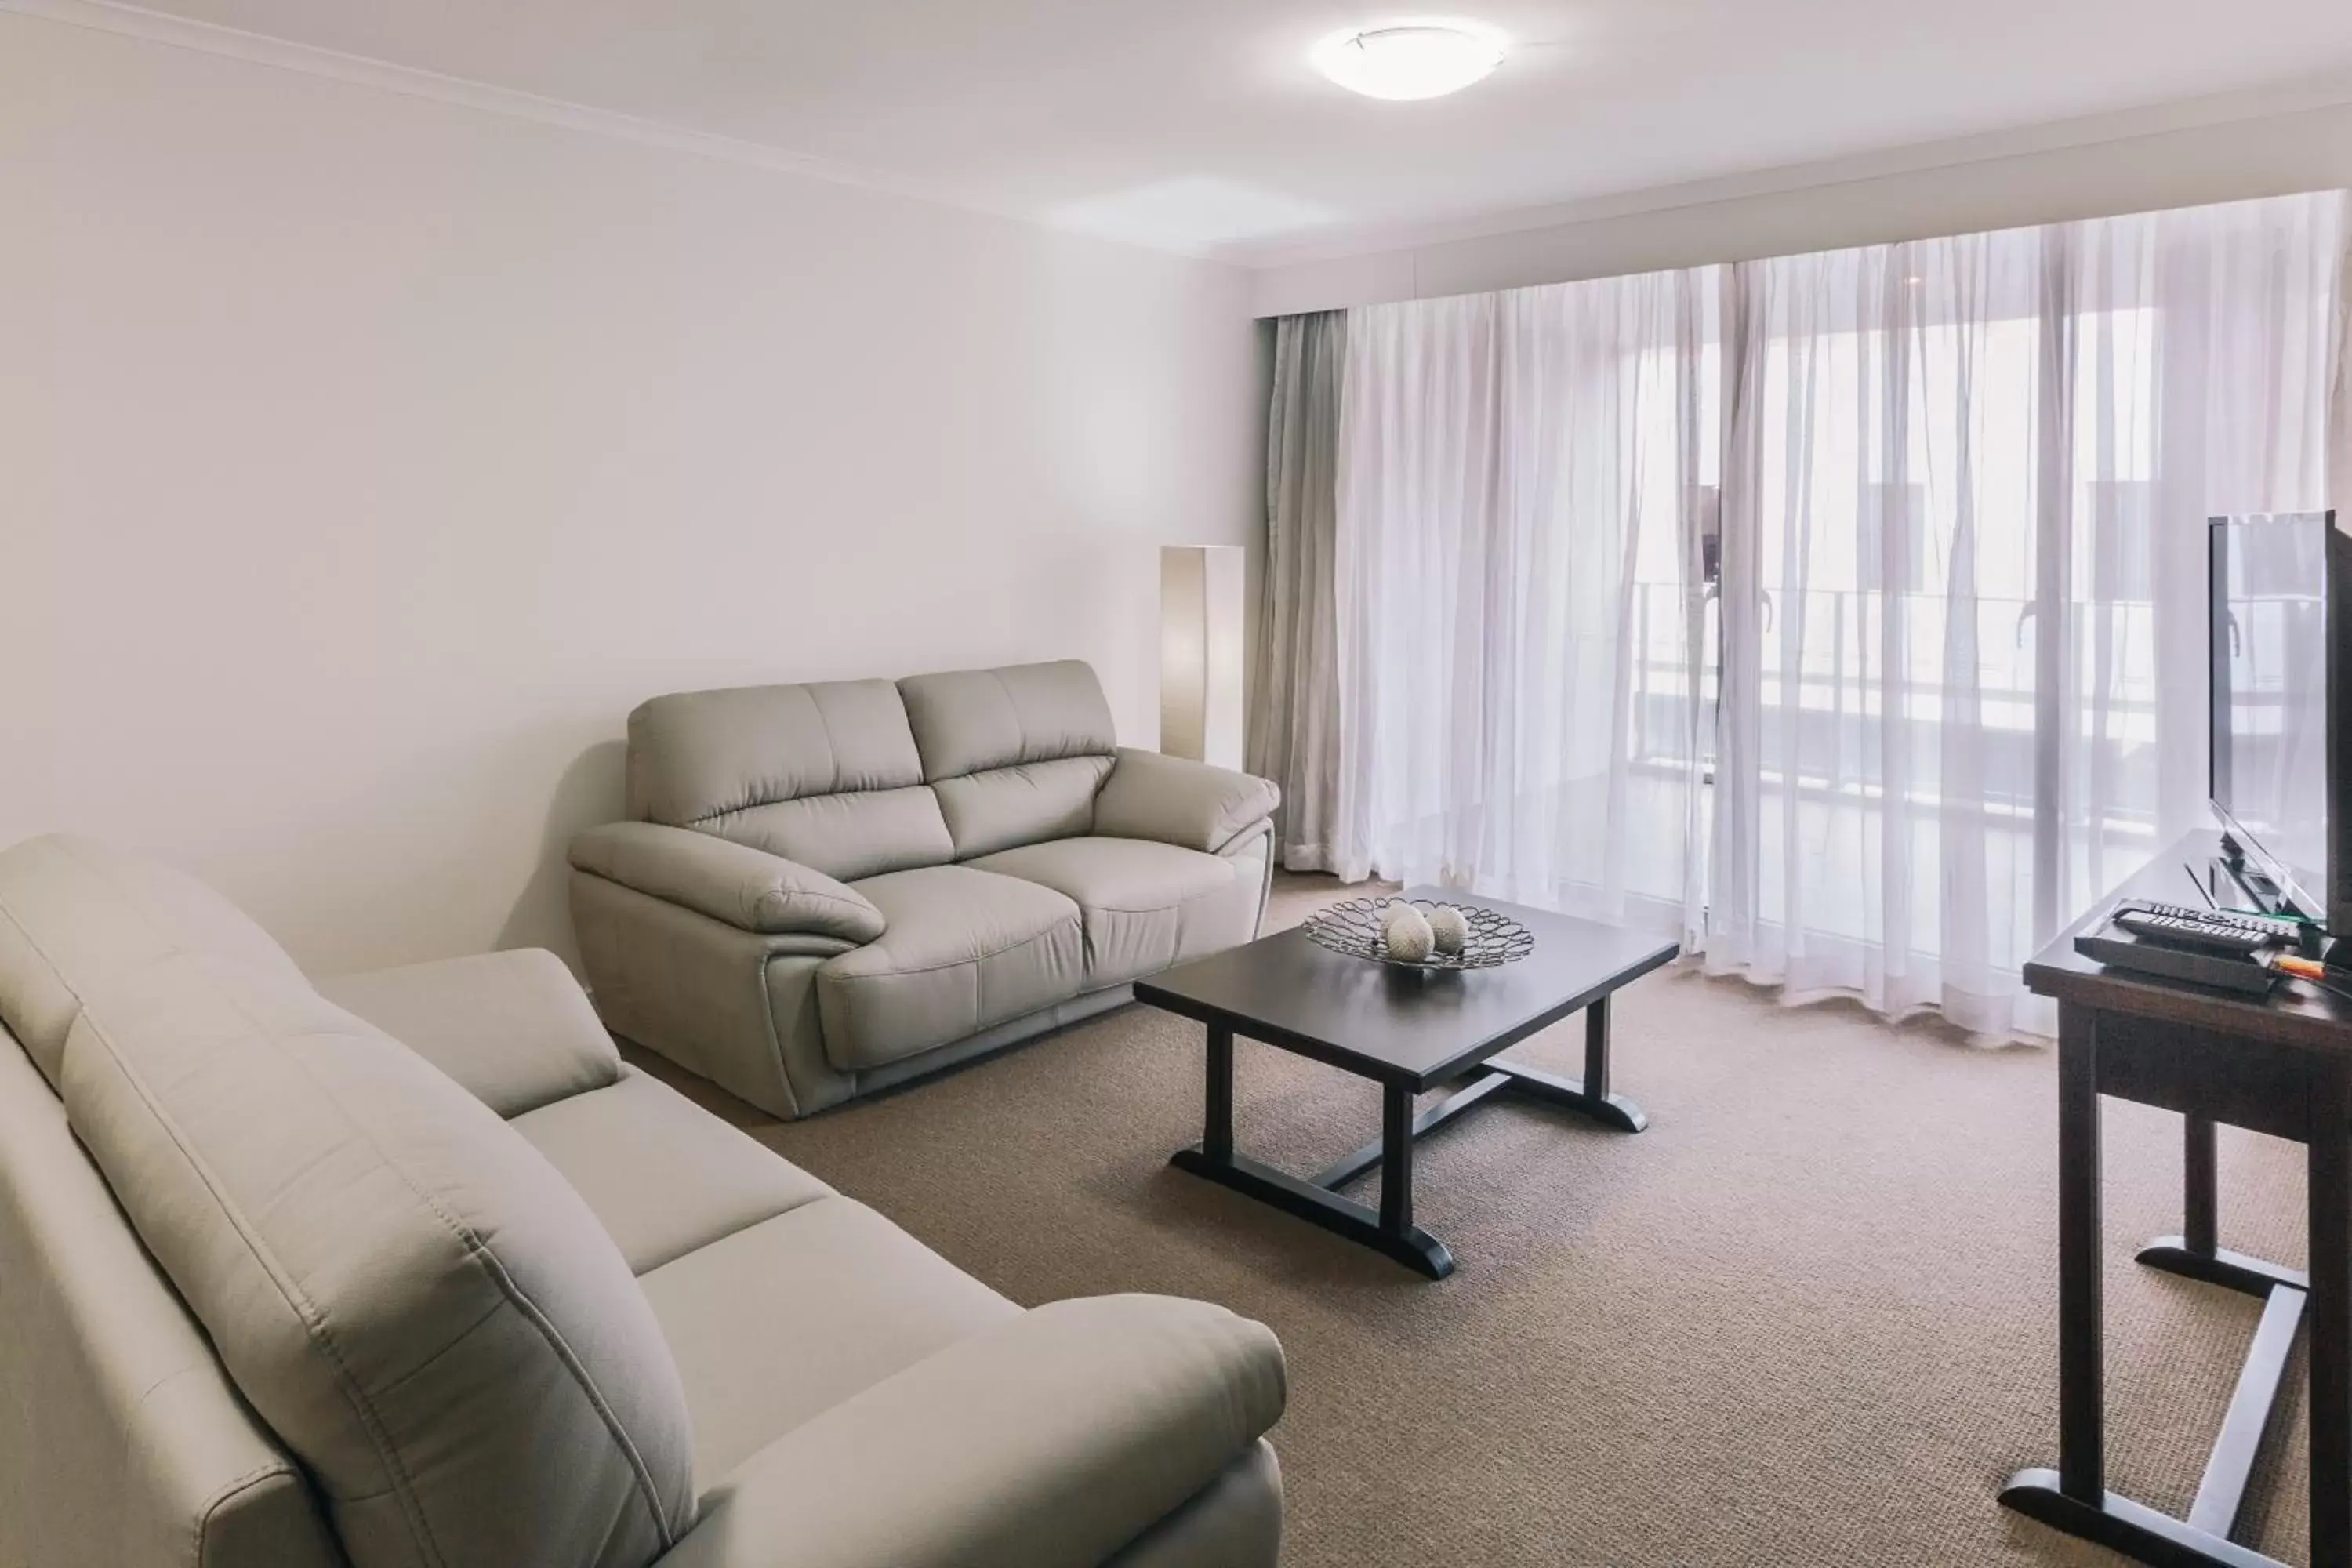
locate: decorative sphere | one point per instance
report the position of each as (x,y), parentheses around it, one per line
(1449,927)
(1405,933)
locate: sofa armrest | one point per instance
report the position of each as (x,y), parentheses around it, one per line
(748,888)
(1178,801)
(1049,1441)
(513,1028)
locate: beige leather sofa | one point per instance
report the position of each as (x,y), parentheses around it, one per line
(409,1271)
(826,890)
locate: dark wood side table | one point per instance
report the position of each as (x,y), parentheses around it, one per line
(2280,1066)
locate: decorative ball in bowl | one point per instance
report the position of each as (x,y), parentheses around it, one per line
(1421,933)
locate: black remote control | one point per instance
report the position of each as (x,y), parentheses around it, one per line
(2278,926)
(2232,940)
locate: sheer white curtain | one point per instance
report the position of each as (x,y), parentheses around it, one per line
(1519,476)
(1957,687)
(1965,499)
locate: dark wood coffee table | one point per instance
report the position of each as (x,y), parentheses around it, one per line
(1408,1031)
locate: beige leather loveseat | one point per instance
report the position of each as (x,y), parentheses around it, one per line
(826,890)
(409,1271)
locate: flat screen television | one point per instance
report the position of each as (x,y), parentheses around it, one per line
(2282,621)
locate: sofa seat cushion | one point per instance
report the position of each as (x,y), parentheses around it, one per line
(664,1176)
(775,1324)
(963,950)
(1146,905)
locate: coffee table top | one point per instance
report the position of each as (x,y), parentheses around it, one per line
(1406,1027)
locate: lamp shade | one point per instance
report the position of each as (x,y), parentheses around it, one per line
(1201,652)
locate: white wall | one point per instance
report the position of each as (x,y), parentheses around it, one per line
(2083,169)
(365,459)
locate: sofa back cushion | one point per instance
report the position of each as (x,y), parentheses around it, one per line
(409,1293)
(826,773)
(1017,755)
(122,1439)
(76,912)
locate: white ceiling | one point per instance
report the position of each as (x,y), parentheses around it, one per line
(1198,125)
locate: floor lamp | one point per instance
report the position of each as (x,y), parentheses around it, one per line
(1201,652)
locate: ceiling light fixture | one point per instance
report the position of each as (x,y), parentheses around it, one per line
(1410,60)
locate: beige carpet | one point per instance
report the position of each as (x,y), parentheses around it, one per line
(1807,1318)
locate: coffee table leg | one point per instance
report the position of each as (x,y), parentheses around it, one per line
(1340,1173)
(1596,1049)
(1590,1098)
(1388,1230)
(1217,1116)
(1396,1160)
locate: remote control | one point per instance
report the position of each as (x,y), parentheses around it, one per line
(2229,940)
(2276,926)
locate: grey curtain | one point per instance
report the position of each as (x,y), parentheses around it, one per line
(1294,710)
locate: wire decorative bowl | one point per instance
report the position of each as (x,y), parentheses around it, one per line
(1353,927)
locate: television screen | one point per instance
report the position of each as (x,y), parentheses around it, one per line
(2269,583)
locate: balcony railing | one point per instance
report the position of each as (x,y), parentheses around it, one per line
(1825,700)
